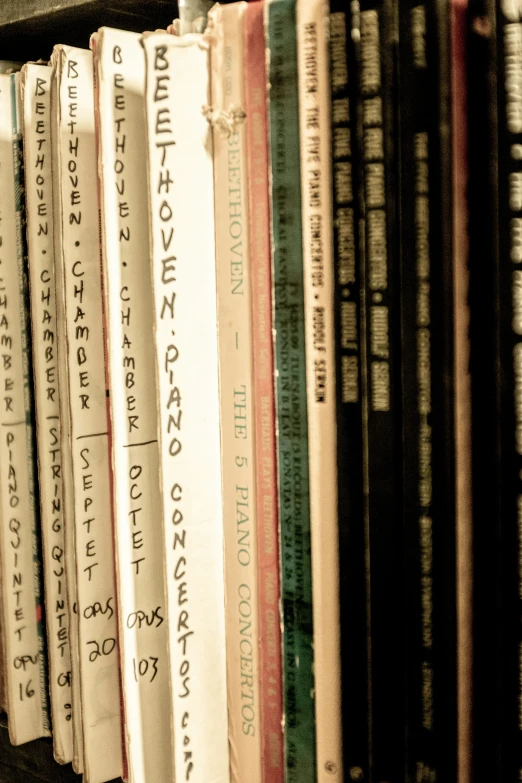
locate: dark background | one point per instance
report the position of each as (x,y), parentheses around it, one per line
(30,28)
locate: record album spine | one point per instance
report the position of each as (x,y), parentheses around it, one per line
(426,377)
(28,395)
(65,433)
(120,63)
(291,401)
(236,374)
(90,446)
(450,403)
(181,209)
(318,275)
(36,81)
(484,118)
(508,260)
(455,541)
(347,304)
(270,664)
(381,386)
(27,689)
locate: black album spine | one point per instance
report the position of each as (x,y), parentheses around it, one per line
(417,370)
(485,374)
(376,95)
(508,263)
(345,181)
(428,390)
(450,377)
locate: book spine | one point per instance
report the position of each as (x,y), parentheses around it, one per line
(381,379)
(99,670)
(38,189)
(227,28)
(270,663)
(65,428)
(347,303)
(318,275)
(23,617)
(183,273)
(291,400)
(120,65)
(508,269)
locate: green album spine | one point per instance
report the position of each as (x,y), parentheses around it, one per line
(291,406)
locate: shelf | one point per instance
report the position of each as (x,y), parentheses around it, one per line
(30,28)
(32,762)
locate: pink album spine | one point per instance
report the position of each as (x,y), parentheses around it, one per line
(271,685)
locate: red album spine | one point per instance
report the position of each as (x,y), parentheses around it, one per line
(271,685)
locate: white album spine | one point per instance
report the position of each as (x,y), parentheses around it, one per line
(36,81)
(184,286)
(120,68)
(236,365)
(24,645)
(318,264)
(65,426)
(90,433)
